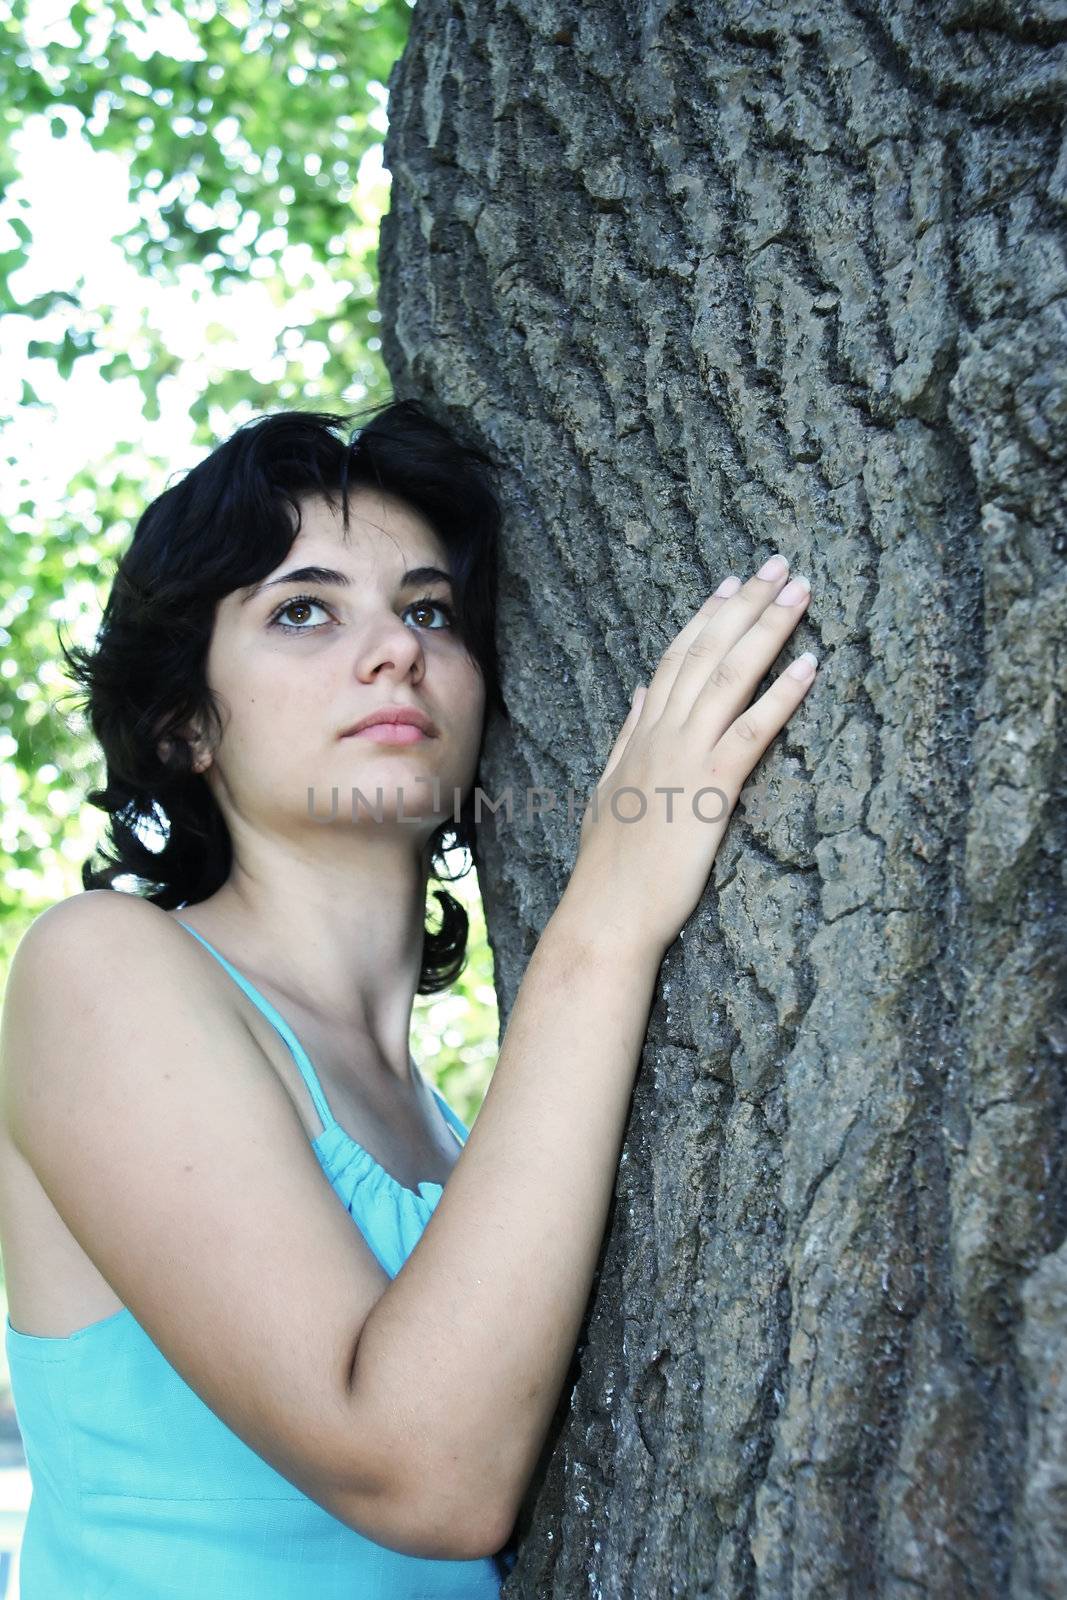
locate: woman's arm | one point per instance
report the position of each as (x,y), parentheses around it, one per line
(470,1344)
(507,1259)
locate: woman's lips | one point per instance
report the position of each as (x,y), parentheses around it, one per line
(390,733)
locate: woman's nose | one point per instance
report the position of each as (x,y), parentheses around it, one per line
(391,644)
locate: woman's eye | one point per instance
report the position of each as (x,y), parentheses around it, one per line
(300,602)
(426,604)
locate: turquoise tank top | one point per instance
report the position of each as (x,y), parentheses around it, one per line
(140,1492)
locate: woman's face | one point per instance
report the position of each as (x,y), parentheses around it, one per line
(294,674)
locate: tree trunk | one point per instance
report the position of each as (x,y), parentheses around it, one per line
(716,280)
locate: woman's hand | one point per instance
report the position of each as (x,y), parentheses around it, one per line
(645,855)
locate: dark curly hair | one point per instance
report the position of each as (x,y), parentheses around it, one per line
(228,523)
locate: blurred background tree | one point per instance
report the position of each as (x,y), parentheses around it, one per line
(190,198)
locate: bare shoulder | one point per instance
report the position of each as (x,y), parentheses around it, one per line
(82,925)
(99,939)
(102,932)
(101,909)
(97,955)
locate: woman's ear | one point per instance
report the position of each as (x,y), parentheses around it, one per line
(198,747)
(201,757)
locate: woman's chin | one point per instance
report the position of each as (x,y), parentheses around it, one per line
(402,804)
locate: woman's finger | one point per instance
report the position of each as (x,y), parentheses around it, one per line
(748,737)
(715,683)
(677,651)
(623,738)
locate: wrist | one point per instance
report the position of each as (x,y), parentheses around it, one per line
(599,928)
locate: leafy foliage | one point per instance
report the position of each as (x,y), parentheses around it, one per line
(243,127)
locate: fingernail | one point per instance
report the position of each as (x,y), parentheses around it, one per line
(775,566)
(728,586)
(804,666)
(794,590)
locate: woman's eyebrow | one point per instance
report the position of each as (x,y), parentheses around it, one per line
(341,580)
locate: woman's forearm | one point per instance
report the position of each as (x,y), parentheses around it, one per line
(471,1342)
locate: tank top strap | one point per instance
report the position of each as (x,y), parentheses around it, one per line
(299,1054)
(451,1118)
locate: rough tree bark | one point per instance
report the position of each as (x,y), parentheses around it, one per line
(713,280)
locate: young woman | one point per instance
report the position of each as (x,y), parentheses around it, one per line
(225,1388)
